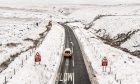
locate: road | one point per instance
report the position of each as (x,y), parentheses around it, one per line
(72,70)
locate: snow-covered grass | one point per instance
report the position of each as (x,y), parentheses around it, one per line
(18,24)
(123,65)
(46,72)
(110,22)
(87,14)
(115,25)
(20,28)
(16,31)
(46,2)
(133,44)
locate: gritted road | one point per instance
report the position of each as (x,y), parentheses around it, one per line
(72,70)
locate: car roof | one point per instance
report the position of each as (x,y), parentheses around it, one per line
(67,49)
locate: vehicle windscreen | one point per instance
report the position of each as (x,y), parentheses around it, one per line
(67,51)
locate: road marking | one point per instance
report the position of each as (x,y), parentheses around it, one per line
(73,62)
(73,77)
(67,64)
(66,77)
(69,34)
(60,79)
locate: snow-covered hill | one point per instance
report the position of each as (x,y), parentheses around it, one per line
(45,2)
(113,25)
(101,31)
(108,31)
(22,34)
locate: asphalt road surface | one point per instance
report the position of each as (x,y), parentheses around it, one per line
(72,70)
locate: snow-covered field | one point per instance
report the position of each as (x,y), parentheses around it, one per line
(97,24)
(123,65)
(20,30)
(46,72)
(116,23)
(113,26)
(13,33)
(116,26)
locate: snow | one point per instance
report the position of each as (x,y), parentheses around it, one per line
(18,22)
(112,21)
(123,68)
(117,24)
(115,21)
(134,43)
(44,2)
(123,65)
(15,31)
(83,14)
(46,71)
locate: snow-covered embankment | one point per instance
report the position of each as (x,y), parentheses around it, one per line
(123,68)
(51,52)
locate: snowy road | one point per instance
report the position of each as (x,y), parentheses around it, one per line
(73,70)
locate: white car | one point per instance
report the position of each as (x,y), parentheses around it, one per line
(67,52)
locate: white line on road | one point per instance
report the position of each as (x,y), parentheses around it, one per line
(73,77)
(73,62)
(69,35)
(67,64)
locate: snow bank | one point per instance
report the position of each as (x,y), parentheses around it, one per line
(51,52)
(123,67)
(16,31)
(110,22)
(115,25)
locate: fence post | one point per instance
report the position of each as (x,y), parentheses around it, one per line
(14,71)
(22,62)
(30,53)
(120,82)
(110,69)
(26,57)
(33,50)
(115,77)
(5,80)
